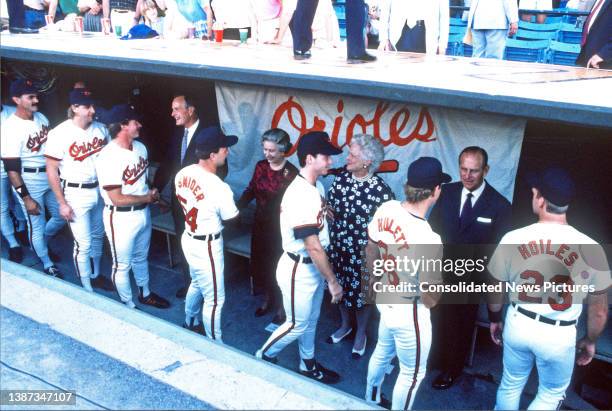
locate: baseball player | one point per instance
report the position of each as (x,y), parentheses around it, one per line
(25,135)
(71,151)
(540,326)
(304,266)
(121,168)
(405,328)
(8,203)
(207,202)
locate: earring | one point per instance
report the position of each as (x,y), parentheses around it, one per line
(364,166)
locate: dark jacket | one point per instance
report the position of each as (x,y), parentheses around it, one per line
(599,39)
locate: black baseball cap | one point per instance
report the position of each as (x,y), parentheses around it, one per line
(21,86)
(555,184)
(119,113)
(426,172)
(316,142)
(211,139)
(80,96)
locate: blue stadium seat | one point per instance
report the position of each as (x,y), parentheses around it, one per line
(525,50)
(569,33)
(562,53)
(457,30)
(455,21)
(523,34)
(525,25)
(455,43)
(553,19)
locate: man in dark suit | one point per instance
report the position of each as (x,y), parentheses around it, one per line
(180,153)
(471,217)
(597,37)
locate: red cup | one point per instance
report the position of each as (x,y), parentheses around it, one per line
(78,24)
(218,35)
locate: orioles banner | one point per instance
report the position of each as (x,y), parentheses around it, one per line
(407,132)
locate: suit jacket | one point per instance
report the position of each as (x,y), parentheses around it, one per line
(435,13)
(172,163)
(599,39)
(492,14)
(491,219)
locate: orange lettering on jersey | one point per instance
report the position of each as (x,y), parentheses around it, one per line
(131,174)
(80,152)
(36,141)
(388,225)
(533,248)
(192,185)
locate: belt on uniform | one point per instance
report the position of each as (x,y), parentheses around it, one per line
(126,208)
(80,185)
(207,237)
(541,318)
(297,258)
(33,9)
(34,170)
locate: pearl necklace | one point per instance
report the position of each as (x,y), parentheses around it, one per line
(362,179)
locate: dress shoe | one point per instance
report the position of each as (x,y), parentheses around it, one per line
(16,254)
(357,354)
(302,55)
(444,381)
(22,30)
(102,283)
(154,300)
(181,293)
(198,328)
(319,373)
(364,58)
(332,339)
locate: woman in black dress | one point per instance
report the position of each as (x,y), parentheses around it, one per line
(268,184)
(354,197)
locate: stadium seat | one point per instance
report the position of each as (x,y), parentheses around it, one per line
(525,25)
(523,34)
(455,43)
(553,19)
(457,30)
(455,21)
(564,54)
(525,50)
(569,33)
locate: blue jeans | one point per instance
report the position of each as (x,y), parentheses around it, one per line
(489,44)
(35,19)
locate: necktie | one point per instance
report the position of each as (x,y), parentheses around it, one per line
(466,211)
(587,23)
(184,145)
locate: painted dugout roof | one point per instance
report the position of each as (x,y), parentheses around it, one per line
(528,90)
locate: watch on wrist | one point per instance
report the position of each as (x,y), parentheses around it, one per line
(22,190)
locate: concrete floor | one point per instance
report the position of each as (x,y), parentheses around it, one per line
(242,330)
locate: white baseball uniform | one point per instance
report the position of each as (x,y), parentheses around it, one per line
(26,139)
(404,329)
(128,229)
(207,201)
(536,255)
(7,198)
(76,150)
(302,214)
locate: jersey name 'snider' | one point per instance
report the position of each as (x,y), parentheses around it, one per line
(120,167)
(77,149)
(206,200)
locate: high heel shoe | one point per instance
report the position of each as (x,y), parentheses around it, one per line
(335,340)
(357,354)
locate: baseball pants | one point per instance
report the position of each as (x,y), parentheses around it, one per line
(8,204)
(404,330)
(553,350)
(39,229)
(129,235)
(207,288)
(302,289)
(88,231)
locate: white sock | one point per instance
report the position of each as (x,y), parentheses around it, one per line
(130,304)
(145,291)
